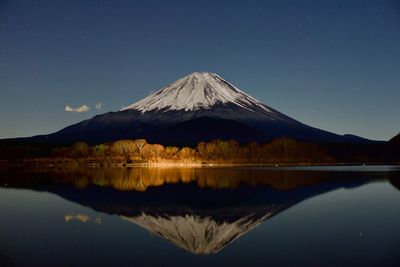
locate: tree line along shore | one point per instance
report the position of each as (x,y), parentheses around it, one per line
(282,151)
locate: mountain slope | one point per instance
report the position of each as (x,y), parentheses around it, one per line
(393,148)
(206,129)
(395,141)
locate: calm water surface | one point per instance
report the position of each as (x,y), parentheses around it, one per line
(314,216)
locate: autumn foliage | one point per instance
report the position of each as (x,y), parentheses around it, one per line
(279,151)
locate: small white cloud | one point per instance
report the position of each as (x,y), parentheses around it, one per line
(69,109)
(98,106)
(83,108)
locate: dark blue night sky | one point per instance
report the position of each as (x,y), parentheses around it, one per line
(334,65)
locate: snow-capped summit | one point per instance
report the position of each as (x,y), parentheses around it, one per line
(199,90)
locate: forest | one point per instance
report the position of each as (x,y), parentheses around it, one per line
(279,151)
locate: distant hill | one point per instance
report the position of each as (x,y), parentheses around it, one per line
(393,147)
(395,140)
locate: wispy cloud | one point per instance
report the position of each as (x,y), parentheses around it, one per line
(83,108)
(98,106)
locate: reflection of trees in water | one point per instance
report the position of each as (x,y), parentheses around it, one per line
(140,179)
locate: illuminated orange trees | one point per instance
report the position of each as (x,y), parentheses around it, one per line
(279,151)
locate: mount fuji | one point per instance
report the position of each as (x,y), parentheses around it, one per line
(198,107)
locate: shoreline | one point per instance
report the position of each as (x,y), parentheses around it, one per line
(73,164)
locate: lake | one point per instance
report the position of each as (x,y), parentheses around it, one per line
(288,216)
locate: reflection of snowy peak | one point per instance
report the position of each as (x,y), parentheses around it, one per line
(199,235)
(196,91)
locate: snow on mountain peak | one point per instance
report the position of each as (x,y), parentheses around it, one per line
(199,90)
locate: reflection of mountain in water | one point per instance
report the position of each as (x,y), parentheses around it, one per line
(186,210)
(200,235)
(199,220)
